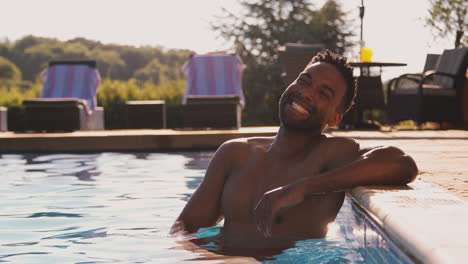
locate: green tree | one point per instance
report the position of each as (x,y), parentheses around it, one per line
(9,71)
(447,17)
(137,58)
(90,44)
(153,72)
(261,28)
(120,62)
(109,63)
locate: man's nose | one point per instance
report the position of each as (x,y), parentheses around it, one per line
(309,94)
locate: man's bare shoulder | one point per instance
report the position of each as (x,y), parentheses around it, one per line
(242,147)
(341,143)
(246,143)
(338,151)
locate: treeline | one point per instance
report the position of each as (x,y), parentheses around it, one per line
(117,62)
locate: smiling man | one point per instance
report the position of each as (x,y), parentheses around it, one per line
(273,191)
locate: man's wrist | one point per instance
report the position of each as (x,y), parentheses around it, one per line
(298,188)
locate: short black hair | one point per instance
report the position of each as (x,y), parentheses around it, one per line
(345,69)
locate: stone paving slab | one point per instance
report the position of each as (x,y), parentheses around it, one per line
(443,162)
(404,134)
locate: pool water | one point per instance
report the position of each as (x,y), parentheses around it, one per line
(119,207)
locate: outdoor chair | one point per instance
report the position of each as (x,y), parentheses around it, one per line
(213,96)
(407,81)
(435,95)
(413,79)
(294,57)
(68,99)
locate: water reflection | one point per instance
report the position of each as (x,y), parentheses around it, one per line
(198,160)
(355,239)
(133,199)
(194,160)
(82,166)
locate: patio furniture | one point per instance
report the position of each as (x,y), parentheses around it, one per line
(369,94)
(68,99)
(213,96)
(146,114)
(212,112)
(436,97)
(464,105)
(412,79)
(294,57)
(3,119)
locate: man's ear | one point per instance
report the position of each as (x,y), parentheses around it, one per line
(336,118)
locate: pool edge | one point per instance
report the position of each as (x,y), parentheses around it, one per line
(170,139)
(426,222)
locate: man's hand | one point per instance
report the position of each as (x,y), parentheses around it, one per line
(178,228)
(273,203)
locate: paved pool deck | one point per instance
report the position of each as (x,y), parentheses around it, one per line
(428,218)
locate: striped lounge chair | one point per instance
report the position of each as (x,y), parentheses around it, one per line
(68,99)
(213,96)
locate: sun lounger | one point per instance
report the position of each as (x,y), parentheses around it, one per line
(213,97)
(68,99)
(222,112)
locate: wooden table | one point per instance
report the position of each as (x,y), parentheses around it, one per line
(375,63)
(367,65)
(369,94)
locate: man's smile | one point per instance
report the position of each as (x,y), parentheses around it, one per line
(299,108)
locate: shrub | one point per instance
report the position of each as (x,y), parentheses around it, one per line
(8,70)
(12,94)
(112,95)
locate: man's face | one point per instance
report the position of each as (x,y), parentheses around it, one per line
(313,100)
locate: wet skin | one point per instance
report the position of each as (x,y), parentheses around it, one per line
(273,191)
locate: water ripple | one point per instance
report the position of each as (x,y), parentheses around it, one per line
(83,234)
(53,214)
(20,244)
(25,253)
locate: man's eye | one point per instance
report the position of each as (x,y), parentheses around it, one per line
(325,95)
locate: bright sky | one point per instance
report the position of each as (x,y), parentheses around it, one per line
(393,29)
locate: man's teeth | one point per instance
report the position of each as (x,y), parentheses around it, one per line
(299,108)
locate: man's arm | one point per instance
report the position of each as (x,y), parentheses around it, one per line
(203,208)
(377,166)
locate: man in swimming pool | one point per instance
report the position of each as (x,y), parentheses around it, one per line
(273,191)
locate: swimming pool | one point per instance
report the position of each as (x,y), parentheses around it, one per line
(119,207)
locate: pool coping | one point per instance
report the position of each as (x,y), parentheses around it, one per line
(168,139)
(426,222)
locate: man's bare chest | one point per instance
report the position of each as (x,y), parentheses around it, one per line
(247,183)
